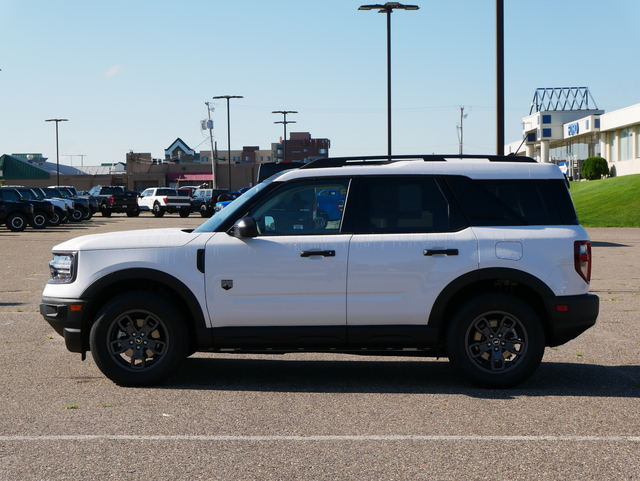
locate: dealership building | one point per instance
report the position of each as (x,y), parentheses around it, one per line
(565,127)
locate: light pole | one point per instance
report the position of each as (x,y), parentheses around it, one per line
(284,139)
(57,121)
(228,131)
(388,8)
(500,77)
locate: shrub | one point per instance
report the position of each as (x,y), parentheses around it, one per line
(594,168)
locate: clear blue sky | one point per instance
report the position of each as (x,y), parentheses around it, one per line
(135,74)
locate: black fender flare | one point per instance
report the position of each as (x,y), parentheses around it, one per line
(101,289)
(438,311)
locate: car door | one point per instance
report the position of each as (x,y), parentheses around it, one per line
(410,241)
(291,274)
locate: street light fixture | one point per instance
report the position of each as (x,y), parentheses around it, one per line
(388,8)
(284,139)
(228,131)
(57,121)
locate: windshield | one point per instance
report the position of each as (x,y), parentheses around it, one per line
(232,209)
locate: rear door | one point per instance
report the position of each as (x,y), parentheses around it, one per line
(410,241)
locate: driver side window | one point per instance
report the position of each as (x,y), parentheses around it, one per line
(303,208)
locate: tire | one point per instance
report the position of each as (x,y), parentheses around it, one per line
(56,218)
(119,339)
(184,212)
(204,211)
(77,214)
(495,341)
(133,213)
(87,214)
(322,220)
(40,220)
(16,222)
(157,210)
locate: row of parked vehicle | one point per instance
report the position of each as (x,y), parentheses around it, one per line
(51,206)
(43,207)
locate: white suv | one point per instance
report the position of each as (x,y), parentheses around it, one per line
(479,259)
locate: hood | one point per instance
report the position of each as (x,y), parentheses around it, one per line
(134,239)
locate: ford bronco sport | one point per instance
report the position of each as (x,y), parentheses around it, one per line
(477,258)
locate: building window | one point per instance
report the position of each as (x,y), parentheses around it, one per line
(597,123)
(546,119)
(587,125)
(546,133)
(626,144)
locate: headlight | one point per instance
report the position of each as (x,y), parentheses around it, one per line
(63,268)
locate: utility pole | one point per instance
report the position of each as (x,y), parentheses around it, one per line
(462,116)
(213,161)
(82,156)
(285,122)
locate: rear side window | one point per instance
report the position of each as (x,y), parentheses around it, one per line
(406,205)
(514,202)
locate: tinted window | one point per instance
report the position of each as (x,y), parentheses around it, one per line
(514,202)
(406,204)
(301,208)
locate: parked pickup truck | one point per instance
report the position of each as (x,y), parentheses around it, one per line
(161,200)
(113,198)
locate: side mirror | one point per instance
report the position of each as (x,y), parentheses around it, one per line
(245,227)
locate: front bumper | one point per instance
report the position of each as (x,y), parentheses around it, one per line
(570,316)
(65,316)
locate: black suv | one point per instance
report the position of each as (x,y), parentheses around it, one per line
(15,213)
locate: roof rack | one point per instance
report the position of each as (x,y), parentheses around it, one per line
(389,159)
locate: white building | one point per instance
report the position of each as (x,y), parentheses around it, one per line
(564,129)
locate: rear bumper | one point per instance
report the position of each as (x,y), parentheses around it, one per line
(570,316)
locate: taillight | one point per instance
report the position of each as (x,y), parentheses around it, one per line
(339,207)
(165,201)
(582,259)
(111,201)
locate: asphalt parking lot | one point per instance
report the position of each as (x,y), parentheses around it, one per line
(315,416)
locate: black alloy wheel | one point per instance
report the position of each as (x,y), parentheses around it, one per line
(138,339)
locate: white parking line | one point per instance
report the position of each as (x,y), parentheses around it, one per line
(99,437)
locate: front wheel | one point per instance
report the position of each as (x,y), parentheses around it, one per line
(77,214)
(139,339)
(495,341)
(40,220)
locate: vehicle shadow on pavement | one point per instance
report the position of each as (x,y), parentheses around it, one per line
(396,376)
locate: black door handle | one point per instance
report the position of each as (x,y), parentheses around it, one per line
(317,253)
(446,252)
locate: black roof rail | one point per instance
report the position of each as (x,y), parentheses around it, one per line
(388,159)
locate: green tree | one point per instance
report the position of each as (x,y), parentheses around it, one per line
(594,168)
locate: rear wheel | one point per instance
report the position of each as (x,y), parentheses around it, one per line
(139,339)
(205,211)
(184,212)
(322,220)
(157,210)
(495,341)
